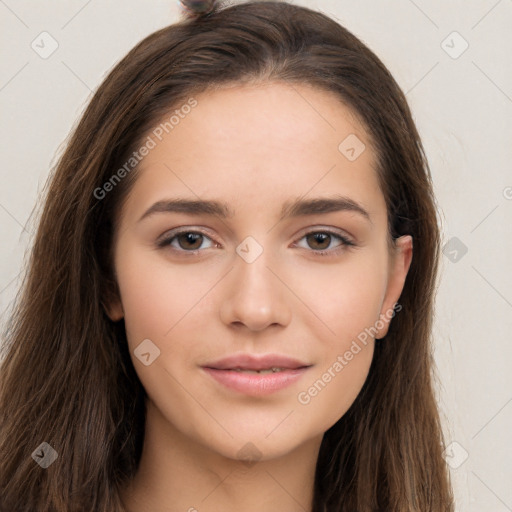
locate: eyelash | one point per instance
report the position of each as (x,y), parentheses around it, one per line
(345,242)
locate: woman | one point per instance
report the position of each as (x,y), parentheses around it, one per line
(181,341)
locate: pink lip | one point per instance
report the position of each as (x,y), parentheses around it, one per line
(256,384)
(224,372)
(254,362)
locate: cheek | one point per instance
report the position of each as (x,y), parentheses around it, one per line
(156,296)
(345,297)
(334,386)
(346,300)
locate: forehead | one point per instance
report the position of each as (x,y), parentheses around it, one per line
(256,144)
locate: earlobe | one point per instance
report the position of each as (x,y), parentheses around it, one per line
(399,267)
(114,310)
(112,304)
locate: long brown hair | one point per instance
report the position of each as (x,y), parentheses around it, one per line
(67,378)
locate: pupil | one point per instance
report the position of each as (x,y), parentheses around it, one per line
(190,238)
(323,238)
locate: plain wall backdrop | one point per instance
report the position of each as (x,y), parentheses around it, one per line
(453,61)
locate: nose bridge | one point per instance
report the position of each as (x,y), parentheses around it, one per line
(256,297)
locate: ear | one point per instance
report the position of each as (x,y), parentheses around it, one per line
(114,310)
(112,303)
(399,265)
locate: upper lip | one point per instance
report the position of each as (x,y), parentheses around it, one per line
(255,362)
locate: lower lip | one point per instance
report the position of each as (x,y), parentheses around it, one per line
(256,384)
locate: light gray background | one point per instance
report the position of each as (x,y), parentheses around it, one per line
(463,110)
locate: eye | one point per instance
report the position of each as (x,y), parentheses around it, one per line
(321,240)
(186,240)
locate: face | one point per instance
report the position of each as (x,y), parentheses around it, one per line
(315,283)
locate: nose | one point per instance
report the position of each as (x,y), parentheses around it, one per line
(254,296)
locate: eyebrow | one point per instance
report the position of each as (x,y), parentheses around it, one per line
(294,208)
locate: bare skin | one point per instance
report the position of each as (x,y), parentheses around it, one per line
(254,148)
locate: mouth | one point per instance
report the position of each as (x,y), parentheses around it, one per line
(256,382)
(255,376)
(264,371)
(257,363)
